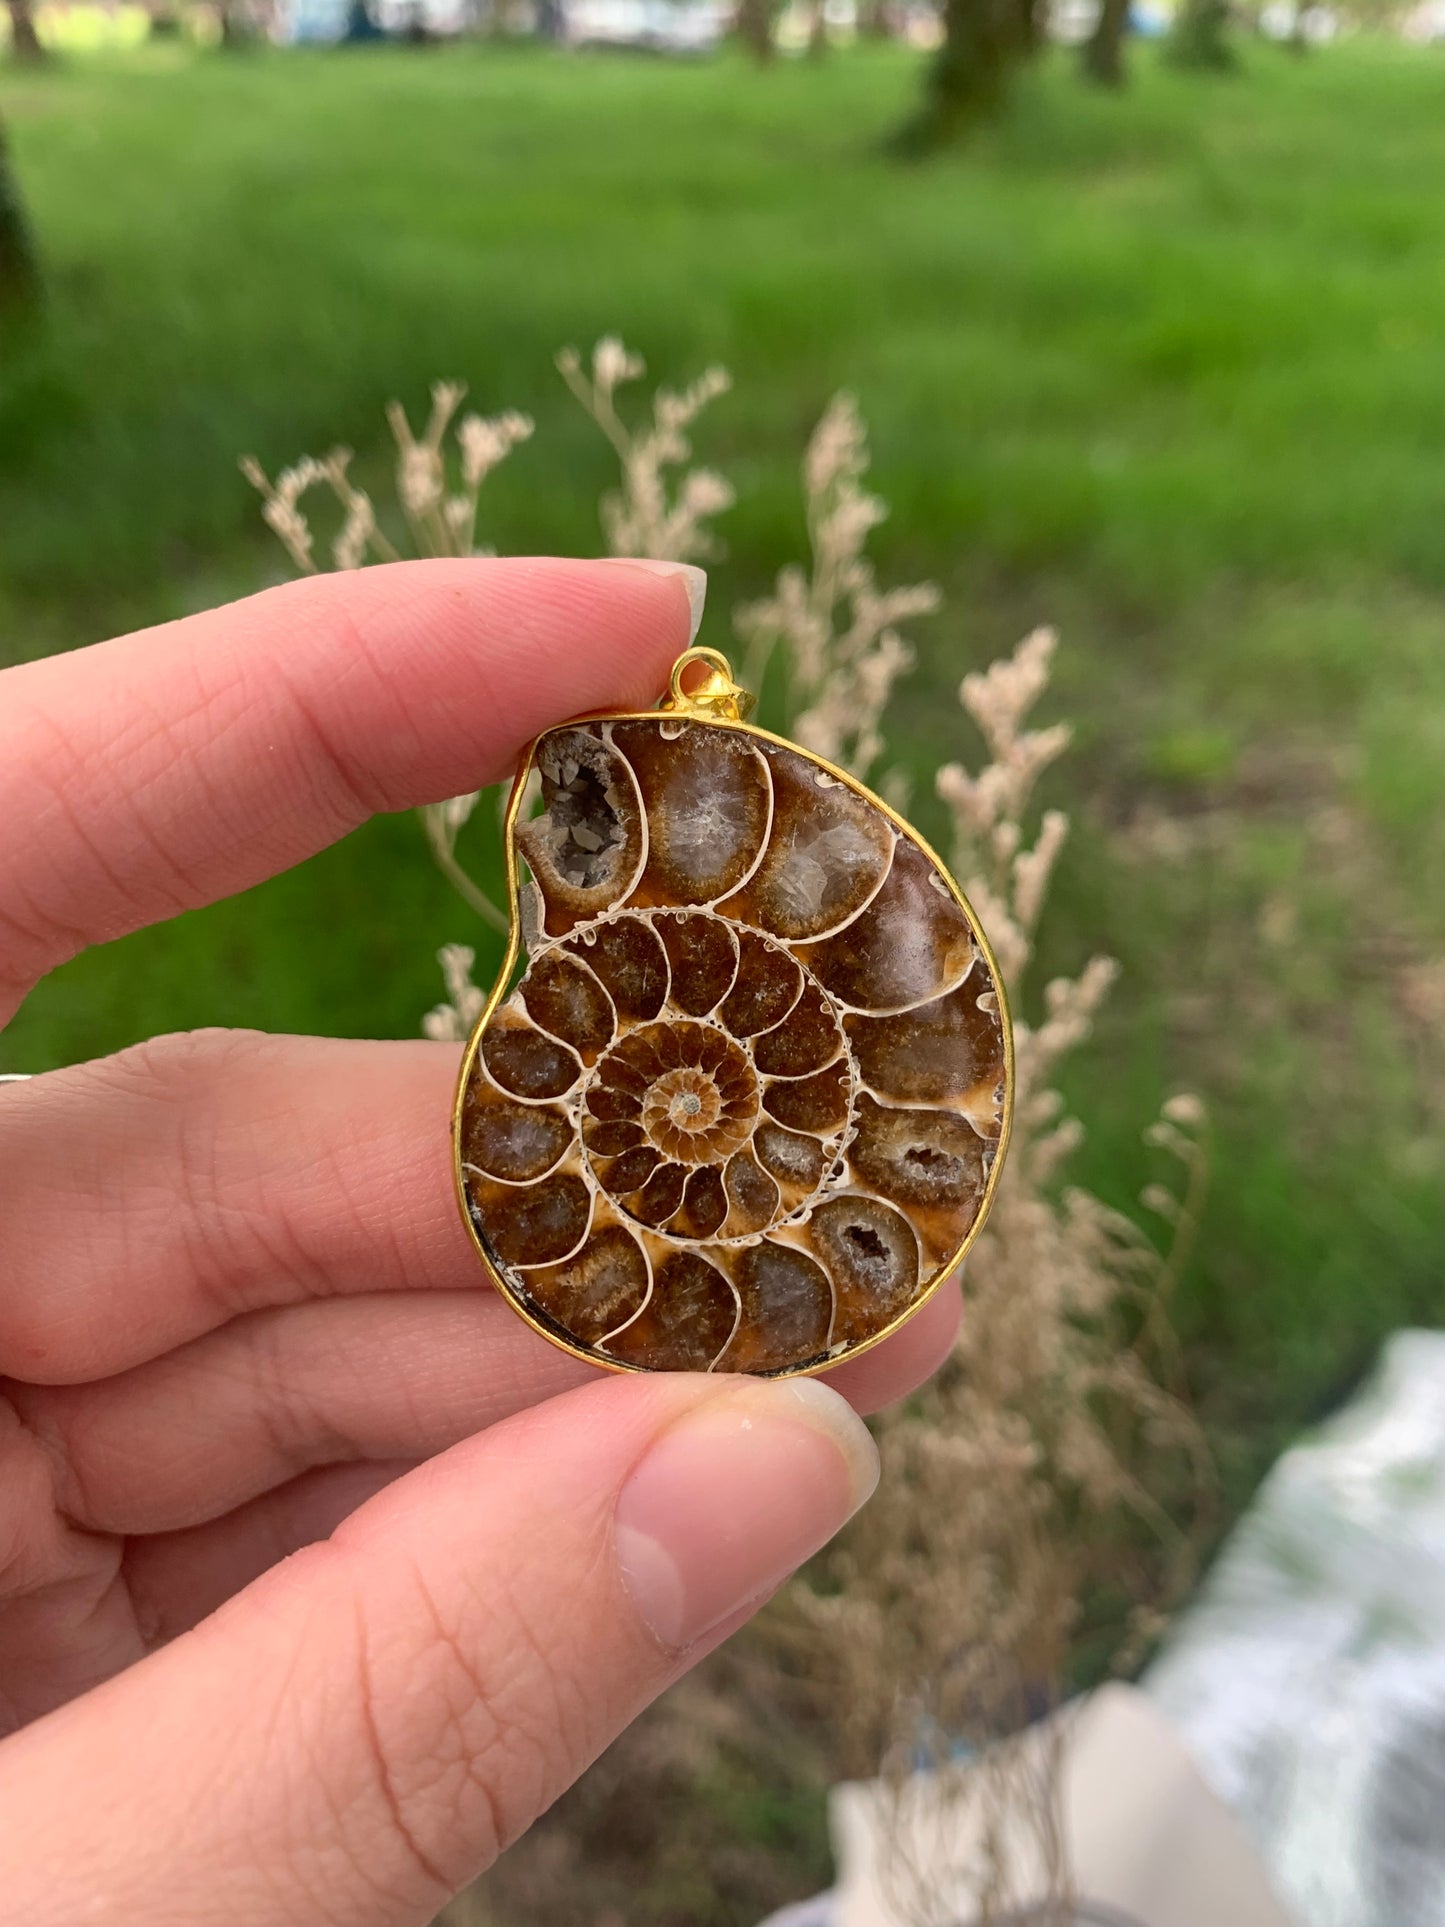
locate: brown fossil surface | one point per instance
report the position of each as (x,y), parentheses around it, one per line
(741,1111)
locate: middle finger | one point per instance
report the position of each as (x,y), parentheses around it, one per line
(188,1438)
(152,1196)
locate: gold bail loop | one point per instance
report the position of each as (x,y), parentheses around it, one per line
(717,698)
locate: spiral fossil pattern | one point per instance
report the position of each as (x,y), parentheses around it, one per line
(742,1108)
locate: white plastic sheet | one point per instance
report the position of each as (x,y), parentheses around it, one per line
(1309,1679)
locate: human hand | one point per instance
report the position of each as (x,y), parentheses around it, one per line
(265,1657)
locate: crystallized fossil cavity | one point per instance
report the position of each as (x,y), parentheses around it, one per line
(742,1109)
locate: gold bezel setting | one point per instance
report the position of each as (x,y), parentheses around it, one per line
(719,702)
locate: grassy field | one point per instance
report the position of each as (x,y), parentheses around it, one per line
(1166,370)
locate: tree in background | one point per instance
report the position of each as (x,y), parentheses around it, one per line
(1200,38)
(506,17)
(1299,33)
(968,79)
(1103,52)
(753,25)
(25,43)
(19,267)
(245,23)
(361,23)
(1032,22)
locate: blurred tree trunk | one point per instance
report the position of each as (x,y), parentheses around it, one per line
(361,24)
(969,76)
(817,29)
(238,26)
(25,43)
(1032,22)
(1103,51)
(1199,38)
(754,27)
(875,20)
(19,265)
(1299,33)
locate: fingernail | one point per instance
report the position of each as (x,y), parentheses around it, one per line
(693,579)
(733,1498)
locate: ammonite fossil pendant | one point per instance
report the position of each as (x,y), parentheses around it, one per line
(747,1104)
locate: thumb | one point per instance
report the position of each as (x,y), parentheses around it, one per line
(360,1732)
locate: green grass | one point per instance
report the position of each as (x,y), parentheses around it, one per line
(1165,369)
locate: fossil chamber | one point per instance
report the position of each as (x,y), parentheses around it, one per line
(745,1105)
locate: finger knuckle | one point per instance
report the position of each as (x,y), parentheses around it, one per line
(159,1125)
(468,1742)
(44,1559)
(170,1066)
(206,1104)
(26,1504)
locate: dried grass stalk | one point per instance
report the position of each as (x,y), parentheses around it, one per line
(653,513)
(661,509)
(1050,1457)
(1053,1454)
(839,630)
(438,486)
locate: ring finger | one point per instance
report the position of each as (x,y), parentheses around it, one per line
(152,1196)
(186,1439)
(157,1196)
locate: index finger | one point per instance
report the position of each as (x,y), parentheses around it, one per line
(166,769)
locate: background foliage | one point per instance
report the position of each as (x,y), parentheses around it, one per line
(1162,369)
